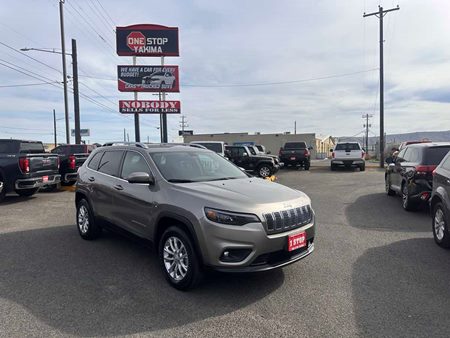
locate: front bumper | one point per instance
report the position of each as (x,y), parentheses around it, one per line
(36,182)
(265,252)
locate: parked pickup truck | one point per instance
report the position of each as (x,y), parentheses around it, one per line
(242,156)
(71,157)
(25,167)
(348,155)
(296,153)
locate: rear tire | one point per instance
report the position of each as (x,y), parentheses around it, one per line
(2,189)
(440,226)
(87,227)
(307,165)
(178,259)
(333,167)
(67,184)
(26,192)
(362,167)
(407,203)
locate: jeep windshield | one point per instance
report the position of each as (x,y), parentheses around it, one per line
(193,166)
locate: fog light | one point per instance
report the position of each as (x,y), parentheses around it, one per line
(234,255)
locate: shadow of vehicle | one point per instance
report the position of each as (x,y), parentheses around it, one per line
(112,286)
(401,290)
(13,199)
(365,213)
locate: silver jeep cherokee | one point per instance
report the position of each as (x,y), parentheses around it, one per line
(198,209)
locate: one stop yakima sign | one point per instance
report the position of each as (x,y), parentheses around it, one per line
(149,107)
(147,40)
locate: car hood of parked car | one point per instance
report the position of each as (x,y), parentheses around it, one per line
(245,192)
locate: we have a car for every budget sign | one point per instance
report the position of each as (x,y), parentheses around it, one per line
(148,78)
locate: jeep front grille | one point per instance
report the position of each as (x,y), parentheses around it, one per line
(281,221)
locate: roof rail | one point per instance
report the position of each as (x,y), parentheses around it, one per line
(121,143)
(151,145)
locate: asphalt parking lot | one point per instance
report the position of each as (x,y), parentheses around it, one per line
(376,272)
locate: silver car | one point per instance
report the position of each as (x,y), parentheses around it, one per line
(198,209)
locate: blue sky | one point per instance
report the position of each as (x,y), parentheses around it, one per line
(236,43)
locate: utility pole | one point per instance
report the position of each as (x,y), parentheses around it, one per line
(76,96)
(380,14)
(164,116)
(54,126)
(295,127)
(183,123)
(63,47)
(367,125)
(124,135)
(137,131)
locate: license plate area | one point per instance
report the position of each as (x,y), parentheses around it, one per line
(44,179)
(293,158)
(296,241)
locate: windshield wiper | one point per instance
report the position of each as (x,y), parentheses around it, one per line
(223,178)
(179,180)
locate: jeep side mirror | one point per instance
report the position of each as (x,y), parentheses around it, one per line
(269,152)
(141,178)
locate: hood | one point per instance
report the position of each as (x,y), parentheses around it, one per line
(244,194)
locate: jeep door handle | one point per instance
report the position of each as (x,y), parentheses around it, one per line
(118,187)
(92,179)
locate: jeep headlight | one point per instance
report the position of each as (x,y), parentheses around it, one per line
(230,218)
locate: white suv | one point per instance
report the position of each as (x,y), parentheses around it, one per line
(348,154)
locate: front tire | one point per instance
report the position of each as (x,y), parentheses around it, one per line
(264,171)
(27,192)
(67,184)
(440,227)
(178,259)
(307,165)
(87,227)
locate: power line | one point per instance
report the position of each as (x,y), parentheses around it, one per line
(256,84)
(26,85)
(112,21)
(30,57)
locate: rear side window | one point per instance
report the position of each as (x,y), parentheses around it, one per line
(31,148)
(252,150)
(8,147)
(95,161)
(347,146)
(294,145)
(134,162)
(110,163)
(434,155)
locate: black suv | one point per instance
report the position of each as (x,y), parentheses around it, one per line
(248,159)
(411,173)
(440,203)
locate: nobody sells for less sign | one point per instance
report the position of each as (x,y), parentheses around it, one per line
(149,107)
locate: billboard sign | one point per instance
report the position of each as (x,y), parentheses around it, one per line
(147,40)
(148,78)
(83,132)
(149,107)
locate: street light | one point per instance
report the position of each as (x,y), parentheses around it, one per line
(76,98)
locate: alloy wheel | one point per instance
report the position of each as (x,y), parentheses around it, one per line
(176,260)
(439,224)
(83,219)
(264,171)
